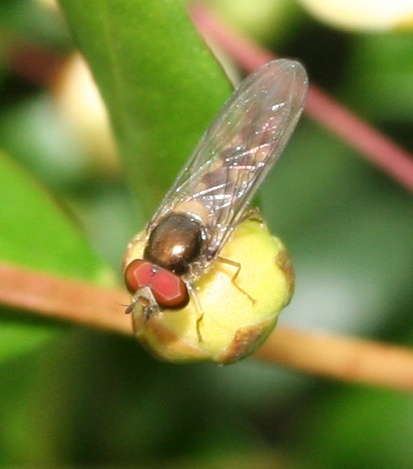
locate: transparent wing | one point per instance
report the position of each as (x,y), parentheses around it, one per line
(239,148)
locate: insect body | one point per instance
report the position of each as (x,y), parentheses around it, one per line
(211,195)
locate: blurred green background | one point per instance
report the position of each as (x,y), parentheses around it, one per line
(75,397)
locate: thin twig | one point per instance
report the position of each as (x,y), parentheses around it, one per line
(343,358)
(364,138)
(63,298)
(326,355)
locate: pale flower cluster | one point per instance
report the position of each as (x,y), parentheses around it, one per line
(363,15)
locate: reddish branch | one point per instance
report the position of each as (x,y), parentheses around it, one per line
(320,354)
(63,298)
(34,63)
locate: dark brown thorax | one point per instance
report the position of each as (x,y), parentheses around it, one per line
(175,243)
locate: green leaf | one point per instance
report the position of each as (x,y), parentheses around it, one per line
(371,428)
(160,83)
(35,231)
(379,86)
(18,335)
(37,234)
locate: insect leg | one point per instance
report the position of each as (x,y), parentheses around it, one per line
(145,298)
(252,213)
(237,265)
(198,306)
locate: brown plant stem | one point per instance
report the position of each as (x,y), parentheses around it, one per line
(357,133)
(63,298)
(340,358)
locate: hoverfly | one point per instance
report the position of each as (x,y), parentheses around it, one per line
(211,195)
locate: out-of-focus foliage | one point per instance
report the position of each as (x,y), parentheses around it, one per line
(76,397)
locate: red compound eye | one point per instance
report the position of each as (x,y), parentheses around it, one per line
(169,289)
(138,274)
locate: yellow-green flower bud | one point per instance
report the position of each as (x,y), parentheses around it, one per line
(238,311)
(363,15)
